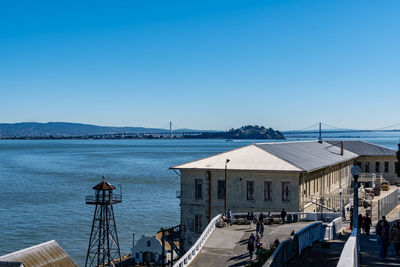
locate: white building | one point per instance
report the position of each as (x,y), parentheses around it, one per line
(268,177)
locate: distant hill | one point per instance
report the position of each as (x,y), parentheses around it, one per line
(245,132)
(66,129)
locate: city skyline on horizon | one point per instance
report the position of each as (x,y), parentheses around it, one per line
(203,65)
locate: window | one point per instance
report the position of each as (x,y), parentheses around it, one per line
(377,167)
(367,166)
(198,188)
(267,190)
(250,190)
(149,243)
(285,191)
(386,166)
(221,189)
(197,224)
(359,164)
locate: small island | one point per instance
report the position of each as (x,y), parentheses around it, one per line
(244,132)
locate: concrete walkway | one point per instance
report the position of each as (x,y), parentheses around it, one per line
(228,246)
(369,250)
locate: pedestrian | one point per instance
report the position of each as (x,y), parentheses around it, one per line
(395,237)
(360,223)
(367,224)
(270,220)
(382,233)
(343,213)
(229,216)
(261,229)
(250,218)
(257,226)
(258,242)
(283,215)
(261,218)
(250,245)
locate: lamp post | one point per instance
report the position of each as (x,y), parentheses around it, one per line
(226,166)
(340,200)
(355,171)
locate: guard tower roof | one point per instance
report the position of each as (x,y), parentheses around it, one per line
(104,185)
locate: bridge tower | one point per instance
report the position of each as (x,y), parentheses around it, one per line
(170,130)
(320,133)
(103,247)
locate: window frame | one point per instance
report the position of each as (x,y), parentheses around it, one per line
(198,188)
(268,190)
(197,223)
(285,191)
(250,190)
(386,167)
(221,191)
(377,167)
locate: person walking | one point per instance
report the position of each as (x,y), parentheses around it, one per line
(360,223)
(382,233)
(261,218)
(283,215)
(250,245)
(261,229)
(257,226)
(367,224)
(395,237)
(250,218)
(343,214)
(229,216)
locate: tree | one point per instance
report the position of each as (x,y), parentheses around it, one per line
(398,161)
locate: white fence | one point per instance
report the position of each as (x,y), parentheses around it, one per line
(349,256)
(333,229)
(294,245)
(186,259)
(292,216)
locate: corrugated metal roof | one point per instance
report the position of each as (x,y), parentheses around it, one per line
(308,155)
(249,157)
(364,148)
(288,156)
(47,254)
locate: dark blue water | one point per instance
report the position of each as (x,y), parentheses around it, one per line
(44,184)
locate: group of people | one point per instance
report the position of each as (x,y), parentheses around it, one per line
(364,223)
(254,242)
(384,238)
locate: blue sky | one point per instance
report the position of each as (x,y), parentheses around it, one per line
(201,64)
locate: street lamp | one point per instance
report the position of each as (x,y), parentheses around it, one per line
(340,200)
(355,171)
(226,163)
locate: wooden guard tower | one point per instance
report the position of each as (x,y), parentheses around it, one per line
(103,247)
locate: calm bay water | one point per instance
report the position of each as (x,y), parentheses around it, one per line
(44,184)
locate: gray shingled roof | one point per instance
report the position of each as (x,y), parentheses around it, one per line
(364,148)
(308,156)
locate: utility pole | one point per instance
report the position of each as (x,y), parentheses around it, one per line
(226,163)
(170,130)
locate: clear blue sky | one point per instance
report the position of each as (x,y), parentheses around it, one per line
(202,64)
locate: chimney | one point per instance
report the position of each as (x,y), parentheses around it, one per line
(341,148)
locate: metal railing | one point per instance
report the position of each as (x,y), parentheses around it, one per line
(333,229)
(106,199)
(388,203)
(187,258)
(294,245)
(350,253)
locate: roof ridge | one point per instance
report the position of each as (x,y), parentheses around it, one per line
(29,248)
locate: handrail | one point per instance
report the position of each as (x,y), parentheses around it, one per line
(334,227)
(350,252)
(187,258)
(294,245)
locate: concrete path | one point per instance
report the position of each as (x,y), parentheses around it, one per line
(369,250)
(228,246)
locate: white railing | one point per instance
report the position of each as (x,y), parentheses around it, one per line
(294,245)
(308,235)
(349,256)
(186,259)
(333,229)
(295,216)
